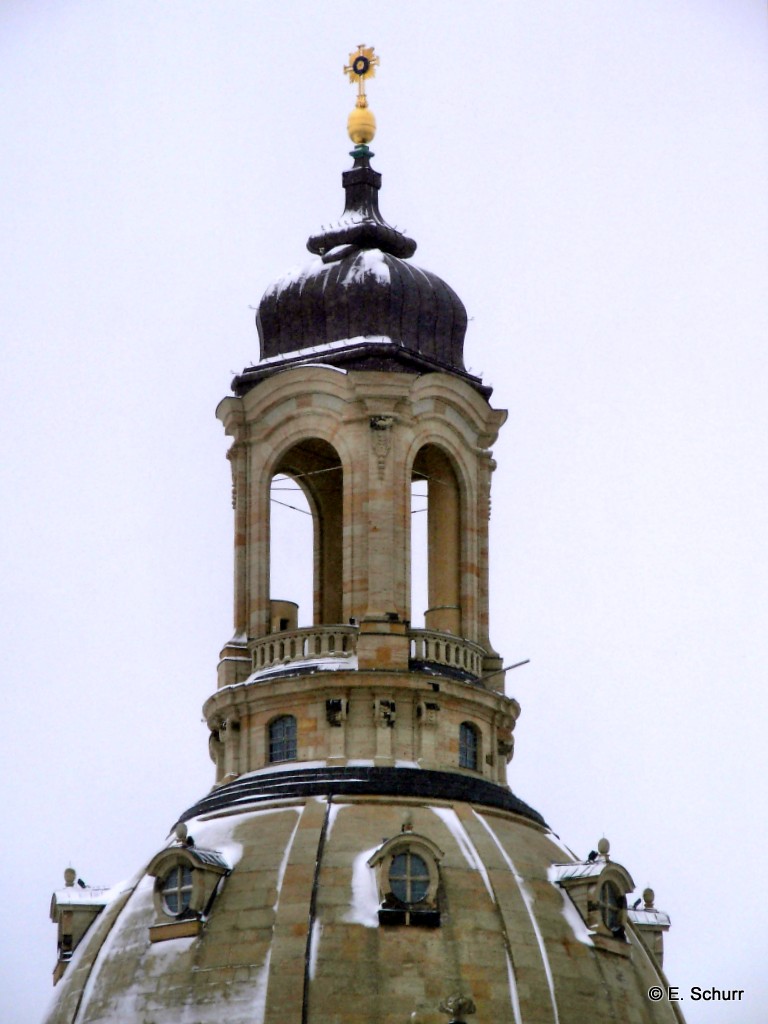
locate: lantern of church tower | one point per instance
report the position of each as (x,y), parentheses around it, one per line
(361,857)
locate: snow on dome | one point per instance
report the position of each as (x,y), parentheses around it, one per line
(362,292)
(367,262)
(296,275)
(302,903)
(364,899)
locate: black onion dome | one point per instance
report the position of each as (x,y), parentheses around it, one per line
(365,293)
(358,304)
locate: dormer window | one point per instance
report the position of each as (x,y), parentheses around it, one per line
(598,888)
(282,739)
(74,909)
(187,879)
(408,880)
(469,746)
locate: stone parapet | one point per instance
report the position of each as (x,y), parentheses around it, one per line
(309,644)
(349,646)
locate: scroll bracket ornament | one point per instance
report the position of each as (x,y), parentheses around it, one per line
(381,438)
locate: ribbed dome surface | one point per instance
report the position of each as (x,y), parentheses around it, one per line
(367,294)
(294,933)
(359,304)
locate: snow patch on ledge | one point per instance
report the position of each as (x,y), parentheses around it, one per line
(91,896)
(326,346)
(649,916)
(318,664)
(569,911)
(281,766)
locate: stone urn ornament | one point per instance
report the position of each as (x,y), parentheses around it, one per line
(457,1006)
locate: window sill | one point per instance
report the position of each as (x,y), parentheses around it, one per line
(175,930)
(412,918)
(611,945)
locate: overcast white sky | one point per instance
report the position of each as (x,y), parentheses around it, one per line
(591,178)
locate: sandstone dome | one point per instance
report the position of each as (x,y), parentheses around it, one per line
(294,931)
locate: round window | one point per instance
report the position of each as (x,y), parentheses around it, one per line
(177,890)
(409,877)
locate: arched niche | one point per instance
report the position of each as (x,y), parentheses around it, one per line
(443,557)
(314,465)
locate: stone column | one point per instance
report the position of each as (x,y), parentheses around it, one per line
(237,455)
(383,642)
(234,664)
(381,551)
(258,607)
(492,662)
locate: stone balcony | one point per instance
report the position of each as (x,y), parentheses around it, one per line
(429,647)
(335,647)
(309,644)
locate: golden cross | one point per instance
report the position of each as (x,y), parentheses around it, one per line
(362,65)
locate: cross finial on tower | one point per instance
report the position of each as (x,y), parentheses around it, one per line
(361,124)
(362,65)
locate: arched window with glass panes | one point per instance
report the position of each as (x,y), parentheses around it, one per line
(469,746)
(408,877)
(177,890)
(282,739)
(408,881)
(613,909)
(187,878)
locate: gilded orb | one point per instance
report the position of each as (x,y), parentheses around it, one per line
(361,125)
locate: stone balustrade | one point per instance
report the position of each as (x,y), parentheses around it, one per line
(435,648)
(313,643)
(309,643)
